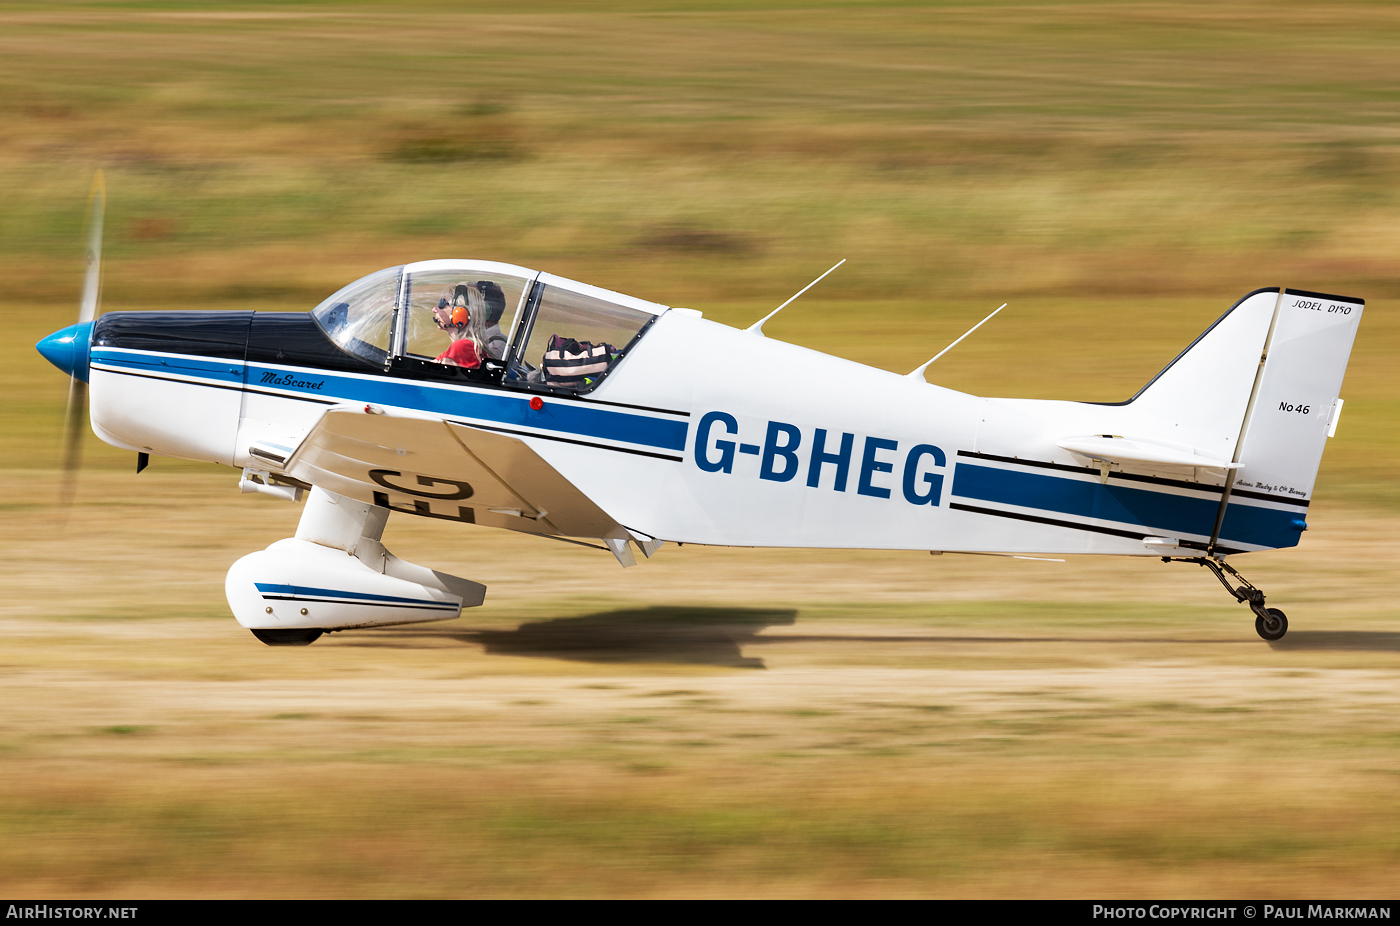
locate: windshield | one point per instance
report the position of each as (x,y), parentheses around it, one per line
(360,317)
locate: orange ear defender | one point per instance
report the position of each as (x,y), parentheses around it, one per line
(460,316)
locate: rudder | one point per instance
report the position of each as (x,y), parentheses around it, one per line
(1295,400)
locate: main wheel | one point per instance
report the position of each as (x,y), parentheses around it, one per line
(297,637)
(1274,628)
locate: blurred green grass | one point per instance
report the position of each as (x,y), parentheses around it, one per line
(1120,172)
(376,837)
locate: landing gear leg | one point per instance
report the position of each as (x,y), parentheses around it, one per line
(1269,623)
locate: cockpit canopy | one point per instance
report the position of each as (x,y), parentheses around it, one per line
(485,322)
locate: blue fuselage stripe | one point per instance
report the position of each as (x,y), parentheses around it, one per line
(1156,511)
(557,415)
(222,371)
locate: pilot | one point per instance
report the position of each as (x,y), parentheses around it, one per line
(461,312)
(495,300)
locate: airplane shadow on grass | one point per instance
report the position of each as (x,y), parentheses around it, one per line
(684,636)
(695,636)
(1374,640)
(715,636)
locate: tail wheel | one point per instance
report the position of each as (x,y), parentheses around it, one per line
(1272,628)
(301,637)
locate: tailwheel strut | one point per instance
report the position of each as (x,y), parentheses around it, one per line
(1269,623)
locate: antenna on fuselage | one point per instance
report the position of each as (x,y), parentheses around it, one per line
(919,373)
(757,327)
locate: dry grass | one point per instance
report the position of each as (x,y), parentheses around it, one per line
(712,723)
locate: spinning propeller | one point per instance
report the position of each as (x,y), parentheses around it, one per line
(68,349)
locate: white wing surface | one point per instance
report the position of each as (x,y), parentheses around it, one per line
(428,467)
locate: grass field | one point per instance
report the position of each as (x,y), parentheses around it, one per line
(715,722)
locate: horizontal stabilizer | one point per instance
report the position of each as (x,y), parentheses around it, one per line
(1123,450)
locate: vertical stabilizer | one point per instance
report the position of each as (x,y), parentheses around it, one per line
(1199,401)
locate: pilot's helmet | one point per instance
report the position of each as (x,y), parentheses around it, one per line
(495,300)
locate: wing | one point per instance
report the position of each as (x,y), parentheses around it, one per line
(433,468)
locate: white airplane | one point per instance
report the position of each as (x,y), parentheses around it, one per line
(495,395)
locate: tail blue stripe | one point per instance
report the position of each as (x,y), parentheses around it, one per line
(1155,511)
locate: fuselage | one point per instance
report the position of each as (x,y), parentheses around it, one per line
(699,433)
